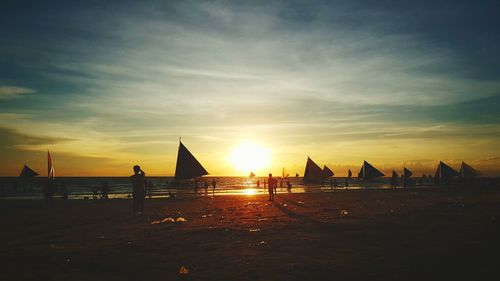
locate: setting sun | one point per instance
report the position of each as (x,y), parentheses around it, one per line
(249,156)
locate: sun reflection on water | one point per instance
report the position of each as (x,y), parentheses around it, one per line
(250,191)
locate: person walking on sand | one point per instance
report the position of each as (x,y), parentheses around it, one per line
(258,184)
(270,184)
(205,185)
(138,189)
(214,184)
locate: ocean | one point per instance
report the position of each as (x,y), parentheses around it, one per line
(120,187)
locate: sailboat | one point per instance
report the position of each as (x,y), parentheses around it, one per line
(327,172)
(313,173)
(467,172)
(187,166)
(296,175)
(252,175)
(407,173)
(444,173)
(51,173)
(394,174)
(284,173)
(349,174)
(369,172)
(27,173)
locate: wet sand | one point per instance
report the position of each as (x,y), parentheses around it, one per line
(437,234)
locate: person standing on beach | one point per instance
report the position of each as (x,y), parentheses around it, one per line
(214,184)
(48,192)
(205,185)
(270,184)
(258,184)
(138,189)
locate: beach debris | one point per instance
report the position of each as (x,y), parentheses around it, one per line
(54,246)
(254,229)
(169,220)
(284,205)
(204,216)
(344,212)
(300,202)
(262,219)
(183,270)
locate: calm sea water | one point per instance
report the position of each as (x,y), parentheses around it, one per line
(120,187)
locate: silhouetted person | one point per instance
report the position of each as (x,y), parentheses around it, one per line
(138,189)
(346,183)
(288,186)
(150,188)
(331,183)
(64,191)
(270,189)
(258,184)
(196,187)
(48,192)
(264,184)
(214,184)
(205,185)
(104,189)
(94,192)
(335,184)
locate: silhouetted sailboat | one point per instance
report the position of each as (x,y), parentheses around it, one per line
(327,172)
(51,173)
(252,175)
(394,174)
(407,173)
(27,173)
(369,172)
(444,172)
(467,172)
(296,175)
(284,173)
(313,173)
(187,166)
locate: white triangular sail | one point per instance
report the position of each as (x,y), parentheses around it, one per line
(51,172)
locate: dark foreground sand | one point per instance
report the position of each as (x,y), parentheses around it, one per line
(436,234)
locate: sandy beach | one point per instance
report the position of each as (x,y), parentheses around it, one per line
(445,233)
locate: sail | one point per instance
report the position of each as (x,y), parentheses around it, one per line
(313,172)
(252,174)
(187,166)
(407,173)
(444,171)
(394,174)
(51,173)
(296,175)
(284,173)
(27,172)
(468,172)
(349,174)
(327,172)
(368,172)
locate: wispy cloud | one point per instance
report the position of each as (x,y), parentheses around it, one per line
(9,92)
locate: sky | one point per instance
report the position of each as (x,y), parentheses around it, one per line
(105,85)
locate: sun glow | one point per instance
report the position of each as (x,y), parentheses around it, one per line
(250,191)
(250,157)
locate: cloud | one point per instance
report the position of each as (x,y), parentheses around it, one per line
(9,92)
